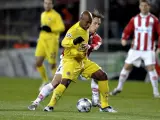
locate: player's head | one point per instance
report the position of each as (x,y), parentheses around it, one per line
(85,20)
(96,21)
(48,5)
(144,6)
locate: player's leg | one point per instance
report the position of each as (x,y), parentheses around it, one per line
(102,79)
(122,78)
(71,70)
(52,53)
(154,80)
(149,60)
(47,89)
(92,70)
(132,58)
(40,56)
(42,70)
(95,93)
(57,94)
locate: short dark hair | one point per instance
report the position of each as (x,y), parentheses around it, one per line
(97,14)
(146,1)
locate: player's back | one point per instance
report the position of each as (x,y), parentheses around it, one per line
(71,50)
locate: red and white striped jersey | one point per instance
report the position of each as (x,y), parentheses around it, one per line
(95,42)
(145,29)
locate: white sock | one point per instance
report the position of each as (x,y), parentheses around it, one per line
(46,90)
(94,87)
(122,78)
(154,81)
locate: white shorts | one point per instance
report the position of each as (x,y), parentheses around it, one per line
(135,57)
(59,69)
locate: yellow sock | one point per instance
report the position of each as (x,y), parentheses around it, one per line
(43,73)
(104,93)
(57,94)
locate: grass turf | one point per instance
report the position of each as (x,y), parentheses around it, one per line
(134,103)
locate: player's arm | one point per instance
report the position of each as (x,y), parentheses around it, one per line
(157,27)
(127,32)
(128,29)
(71,39)
(58,25)
(44,27)
(96,43)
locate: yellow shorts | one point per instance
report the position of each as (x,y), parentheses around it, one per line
(47,48)
(72,69)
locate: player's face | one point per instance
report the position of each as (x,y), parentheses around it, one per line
(144,7)
(86,22)
(95,25)
(48,5)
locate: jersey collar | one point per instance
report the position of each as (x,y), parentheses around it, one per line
(144,16)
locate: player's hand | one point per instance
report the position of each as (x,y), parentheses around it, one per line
(78,40)
(46,28)
(86,46)
(123,42)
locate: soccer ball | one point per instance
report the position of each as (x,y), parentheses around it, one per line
(84,105)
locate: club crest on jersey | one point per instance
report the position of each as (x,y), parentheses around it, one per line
(68,73)
(49,19)
(68,35)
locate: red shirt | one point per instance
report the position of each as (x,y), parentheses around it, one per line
(144,28)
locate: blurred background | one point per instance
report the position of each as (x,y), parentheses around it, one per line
(19,21)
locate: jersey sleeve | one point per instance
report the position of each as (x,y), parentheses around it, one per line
(96,42)
(57,25)
(68,39)
(157,29)
(128,29)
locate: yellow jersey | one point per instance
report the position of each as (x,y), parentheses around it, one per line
(53,20)
(75,51)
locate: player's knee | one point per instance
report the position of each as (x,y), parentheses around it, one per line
(100,75)
(103,76)
(128,67)
(66,82)
(151,67)
(39,62)
(56,81)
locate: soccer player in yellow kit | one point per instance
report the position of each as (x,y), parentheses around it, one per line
(47,46)
(75,62)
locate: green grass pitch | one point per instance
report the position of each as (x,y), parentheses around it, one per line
(134,103)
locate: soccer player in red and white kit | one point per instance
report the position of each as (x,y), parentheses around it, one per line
(94,44)
(144,26)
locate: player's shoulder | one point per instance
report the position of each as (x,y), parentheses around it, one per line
(55,12)
(135,16)
(75,27)
(43,13)
(154,17)
(72,30)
